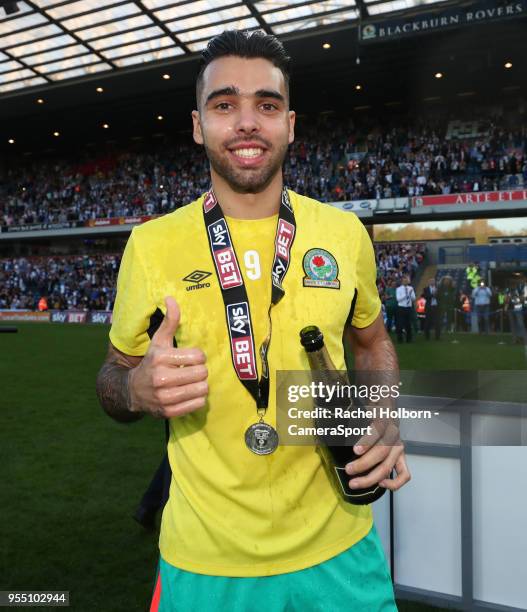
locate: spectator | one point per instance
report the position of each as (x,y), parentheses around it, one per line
(390,305)
(432,317)
(465,310)
(420,308)
(514,306)
(405,296)
(481,296)
(473,276)
(448,299)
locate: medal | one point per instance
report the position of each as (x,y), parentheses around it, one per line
(261,439)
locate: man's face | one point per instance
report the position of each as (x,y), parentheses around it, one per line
(432,282)
(244,121)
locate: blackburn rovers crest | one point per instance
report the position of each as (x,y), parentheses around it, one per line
(321,269)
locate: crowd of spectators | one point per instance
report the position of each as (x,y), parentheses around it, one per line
(88,282)
(397,259)
(336,159)
(117,186)
(85,282)
(405,161)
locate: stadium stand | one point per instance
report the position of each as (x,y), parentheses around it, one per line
(395,259)
(76,282)
(334,160)
(88,282)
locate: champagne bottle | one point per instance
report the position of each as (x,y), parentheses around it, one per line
(334,454)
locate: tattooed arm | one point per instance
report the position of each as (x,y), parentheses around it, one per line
(376,362)
(113,388)
(166,382)
(373,349)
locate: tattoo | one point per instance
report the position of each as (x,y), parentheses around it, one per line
(373,349)
(113,390)
(381,357)
(376,363)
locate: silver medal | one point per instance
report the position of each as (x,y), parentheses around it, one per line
(261,439)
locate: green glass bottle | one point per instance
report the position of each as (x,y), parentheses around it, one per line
(335,455)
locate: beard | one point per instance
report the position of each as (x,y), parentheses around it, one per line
(248,180)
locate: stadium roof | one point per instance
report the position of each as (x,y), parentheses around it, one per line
(47,41)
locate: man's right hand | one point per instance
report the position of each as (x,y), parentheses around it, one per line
(169,381)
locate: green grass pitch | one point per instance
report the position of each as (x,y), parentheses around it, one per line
(71,477)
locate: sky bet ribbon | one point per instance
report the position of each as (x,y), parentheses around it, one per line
(260,438)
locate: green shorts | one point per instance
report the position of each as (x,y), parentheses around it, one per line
(356,580)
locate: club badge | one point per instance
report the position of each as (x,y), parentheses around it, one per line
(321,269)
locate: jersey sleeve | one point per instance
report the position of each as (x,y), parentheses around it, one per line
(368,303)
(133,303)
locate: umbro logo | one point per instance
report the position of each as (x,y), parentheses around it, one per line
(196,279)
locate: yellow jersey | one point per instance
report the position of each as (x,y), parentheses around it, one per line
(231,512)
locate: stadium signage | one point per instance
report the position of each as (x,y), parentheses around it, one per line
(134,220)
(355,205)
(37,226)
(479,12)
(351,205)
(480,197)
(23,315)
(68,316)
(100,317)
(28,227)
(119,220)
(58,316)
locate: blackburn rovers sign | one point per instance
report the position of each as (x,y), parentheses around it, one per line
(478,12)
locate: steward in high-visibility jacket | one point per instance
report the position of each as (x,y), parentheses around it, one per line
(420,307)
(473,276)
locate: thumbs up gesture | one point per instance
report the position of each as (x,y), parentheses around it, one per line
(169,381)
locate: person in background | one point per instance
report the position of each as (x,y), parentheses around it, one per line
(481,296)
(472,274)
(465,310)
(420,309)
(514,306)
(495,310)
(432,320)
(405,296)
(447,298)
(390,303)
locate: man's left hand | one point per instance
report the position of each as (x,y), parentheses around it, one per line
(376,461)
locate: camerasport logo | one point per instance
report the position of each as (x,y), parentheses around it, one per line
(321,269)
(242,344)
(196,279)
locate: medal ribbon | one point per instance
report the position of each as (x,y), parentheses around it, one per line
(234,293)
